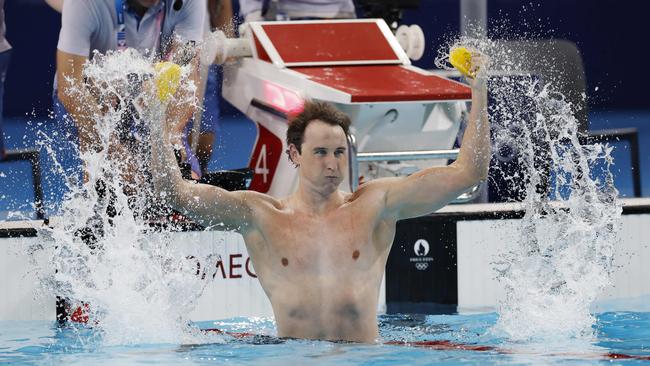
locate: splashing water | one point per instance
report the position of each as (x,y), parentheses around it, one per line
(561,258)
(140,290)
(130,279)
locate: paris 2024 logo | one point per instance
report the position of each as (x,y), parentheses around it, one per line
(421,249)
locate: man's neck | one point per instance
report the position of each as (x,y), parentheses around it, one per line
(315,201)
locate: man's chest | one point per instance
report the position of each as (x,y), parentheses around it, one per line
(315,244)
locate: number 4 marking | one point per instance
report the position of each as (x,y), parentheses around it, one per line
(260,164)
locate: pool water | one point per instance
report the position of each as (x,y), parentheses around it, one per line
(621,337)
(544,285)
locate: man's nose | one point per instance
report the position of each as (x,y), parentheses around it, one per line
(331,163)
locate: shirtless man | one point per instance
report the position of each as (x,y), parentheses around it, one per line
(320,253)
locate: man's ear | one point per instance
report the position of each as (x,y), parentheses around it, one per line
(294,154)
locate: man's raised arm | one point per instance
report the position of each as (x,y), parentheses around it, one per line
(205,204)
(184,53)
(76,98)
(430,189)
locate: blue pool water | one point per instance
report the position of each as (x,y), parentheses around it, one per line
(621,338)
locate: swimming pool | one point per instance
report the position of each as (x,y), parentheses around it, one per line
(560,260)
(622,337)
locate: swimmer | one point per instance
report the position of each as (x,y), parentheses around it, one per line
(320,253)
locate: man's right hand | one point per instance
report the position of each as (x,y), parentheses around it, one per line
(480,64)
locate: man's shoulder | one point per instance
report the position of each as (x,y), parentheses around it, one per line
(89,12)
(86,25)
(371,197)
(261,200)
(373,188)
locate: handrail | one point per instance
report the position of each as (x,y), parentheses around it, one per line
(408,155)
(356,158)
(33,157)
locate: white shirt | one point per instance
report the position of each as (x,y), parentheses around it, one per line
(88,25)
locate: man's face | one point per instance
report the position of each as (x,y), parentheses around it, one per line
(323,161)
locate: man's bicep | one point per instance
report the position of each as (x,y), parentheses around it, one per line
(70,64)
(69,72)
(423,192)
(212,206)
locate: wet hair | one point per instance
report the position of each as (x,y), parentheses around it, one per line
(312,111)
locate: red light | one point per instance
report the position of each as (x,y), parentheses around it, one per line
(283,99)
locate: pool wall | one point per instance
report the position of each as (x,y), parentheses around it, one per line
(481,242)
(233,289)
(442,263)
(451,272)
